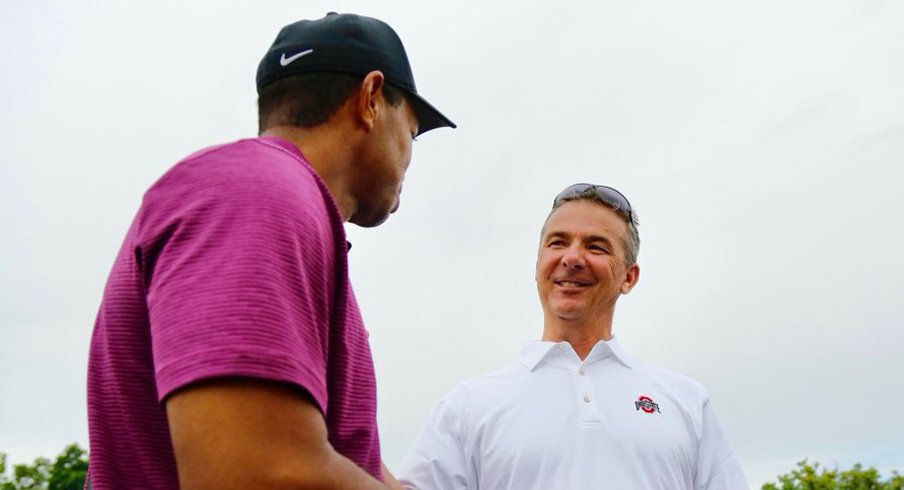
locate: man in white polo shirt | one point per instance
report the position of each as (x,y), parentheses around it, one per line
(577,411)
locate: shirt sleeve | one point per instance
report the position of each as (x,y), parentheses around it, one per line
(437,460)
(718,468)
(238,271)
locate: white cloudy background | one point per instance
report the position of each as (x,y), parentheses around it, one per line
(760,142)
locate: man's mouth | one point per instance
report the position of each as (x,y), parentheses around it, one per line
(569,283)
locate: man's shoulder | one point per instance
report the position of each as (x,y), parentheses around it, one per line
(250,158)
(491,379)
(682,383)
(258,179)
(244,170)
(487,386)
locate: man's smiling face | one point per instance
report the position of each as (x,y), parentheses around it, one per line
(581,267)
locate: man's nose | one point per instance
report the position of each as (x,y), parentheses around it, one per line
(572,258)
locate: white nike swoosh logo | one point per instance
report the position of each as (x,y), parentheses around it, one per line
(285,61)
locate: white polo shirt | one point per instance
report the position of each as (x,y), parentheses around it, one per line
(554,422)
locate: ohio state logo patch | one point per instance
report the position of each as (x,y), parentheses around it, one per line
(646,404)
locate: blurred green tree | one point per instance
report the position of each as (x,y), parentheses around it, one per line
(809,476)
(70,468)
(67,472)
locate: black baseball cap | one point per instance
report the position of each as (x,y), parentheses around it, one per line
(347,43)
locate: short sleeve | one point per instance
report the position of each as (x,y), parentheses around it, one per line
(437,460)
(236,253)
(718,468)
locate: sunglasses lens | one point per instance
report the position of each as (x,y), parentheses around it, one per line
(605,193)
(572,190)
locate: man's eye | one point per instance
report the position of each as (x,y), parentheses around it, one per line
(598,248)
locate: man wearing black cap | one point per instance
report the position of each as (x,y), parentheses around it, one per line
(229,351)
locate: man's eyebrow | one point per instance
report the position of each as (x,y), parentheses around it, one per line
(599,238)
(556,234)
(588,239)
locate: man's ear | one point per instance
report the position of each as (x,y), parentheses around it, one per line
(370,98)
(632,275)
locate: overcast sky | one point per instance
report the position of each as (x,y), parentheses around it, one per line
(760,142)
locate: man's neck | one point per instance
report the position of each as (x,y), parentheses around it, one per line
(330,160)
(581,336)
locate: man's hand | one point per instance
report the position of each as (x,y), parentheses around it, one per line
(248,433)
(389,479)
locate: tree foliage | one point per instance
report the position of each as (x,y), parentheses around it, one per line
(69,469)
(67,472)
(809,476)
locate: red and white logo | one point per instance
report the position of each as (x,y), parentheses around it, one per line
(646,404)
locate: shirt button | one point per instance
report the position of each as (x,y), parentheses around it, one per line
(581,371)
(586,398)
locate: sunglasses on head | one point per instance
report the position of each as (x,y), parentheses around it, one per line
(604,193)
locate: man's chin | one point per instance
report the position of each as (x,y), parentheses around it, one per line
(375,215)
(371,219)
(368,221)
(568,309)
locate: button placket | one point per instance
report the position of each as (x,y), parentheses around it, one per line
(587,399)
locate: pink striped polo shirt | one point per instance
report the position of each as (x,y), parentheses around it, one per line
(235,265)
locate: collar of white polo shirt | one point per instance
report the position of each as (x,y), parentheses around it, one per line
(535,352)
